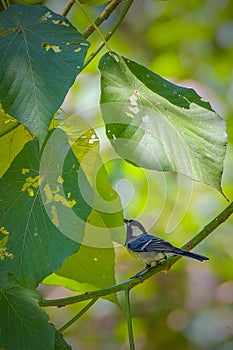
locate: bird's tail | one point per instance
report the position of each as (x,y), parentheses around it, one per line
(190,255)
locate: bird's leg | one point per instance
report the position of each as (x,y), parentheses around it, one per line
(140,273)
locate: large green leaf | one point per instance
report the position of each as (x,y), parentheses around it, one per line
(23,324)
(156,124)
(41,54)
(92,267)
(35,212)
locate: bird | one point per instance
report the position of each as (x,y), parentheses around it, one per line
(151,249)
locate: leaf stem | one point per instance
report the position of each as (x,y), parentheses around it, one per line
(110,33)
(79,314)
(166,265)
(129,320)
(94,25)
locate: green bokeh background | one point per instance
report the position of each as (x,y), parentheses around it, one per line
(190,308)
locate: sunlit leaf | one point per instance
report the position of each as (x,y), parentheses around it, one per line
(156,124)
(92,267)
(13,137)
(41,55)
(23,324)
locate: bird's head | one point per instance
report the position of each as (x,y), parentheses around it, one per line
(134,229)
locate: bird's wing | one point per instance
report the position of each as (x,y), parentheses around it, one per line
(149,243)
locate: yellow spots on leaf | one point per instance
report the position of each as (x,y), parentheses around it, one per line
(3,242)
(55,219)
(25,171)
(48,194)
(78,49)
(55,48)
(60,180)
(29,184)
(84,44)
(61,199)
(54,197)
(4,230)
(30,192)
(3,249)
(95,259)
(9,121)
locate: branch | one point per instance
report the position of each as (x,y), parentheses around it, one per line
(102,17)
(93,24)
(166,265)
(68,7)
(110,33)
(76,317)
(129,320)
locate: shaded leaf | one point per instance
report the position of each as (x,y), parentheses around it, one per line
(23,324)
(41,55)
(156,124)
(35,224)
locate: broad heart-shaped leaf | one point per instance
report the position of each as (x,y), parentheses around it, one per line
(13,137)
(41,54)
(92,267)
(35,223)
(23,324)
(156,124)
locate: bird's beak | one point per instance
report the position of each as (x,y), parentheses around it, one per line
(126,221)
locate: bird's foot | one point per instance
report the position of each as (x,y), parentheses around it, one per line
(141,273)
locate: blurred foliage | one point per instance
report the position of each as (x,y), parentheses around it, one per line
(190,42)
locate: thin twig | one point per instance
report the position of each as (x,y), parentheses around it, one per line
(199,237)
(4,4)
(76,317)
(129,320)
(68,7)
(102,17)
(110,33)
(94,25)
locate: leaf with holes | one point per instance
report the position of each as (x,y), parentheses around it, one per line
(156,124)
(36,213)
(23,324)
(41,55)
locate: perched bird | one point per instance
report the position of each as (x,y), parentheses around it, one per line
(151,249)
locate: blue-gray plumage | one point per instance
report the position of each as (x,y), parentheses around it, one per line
(151,249)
